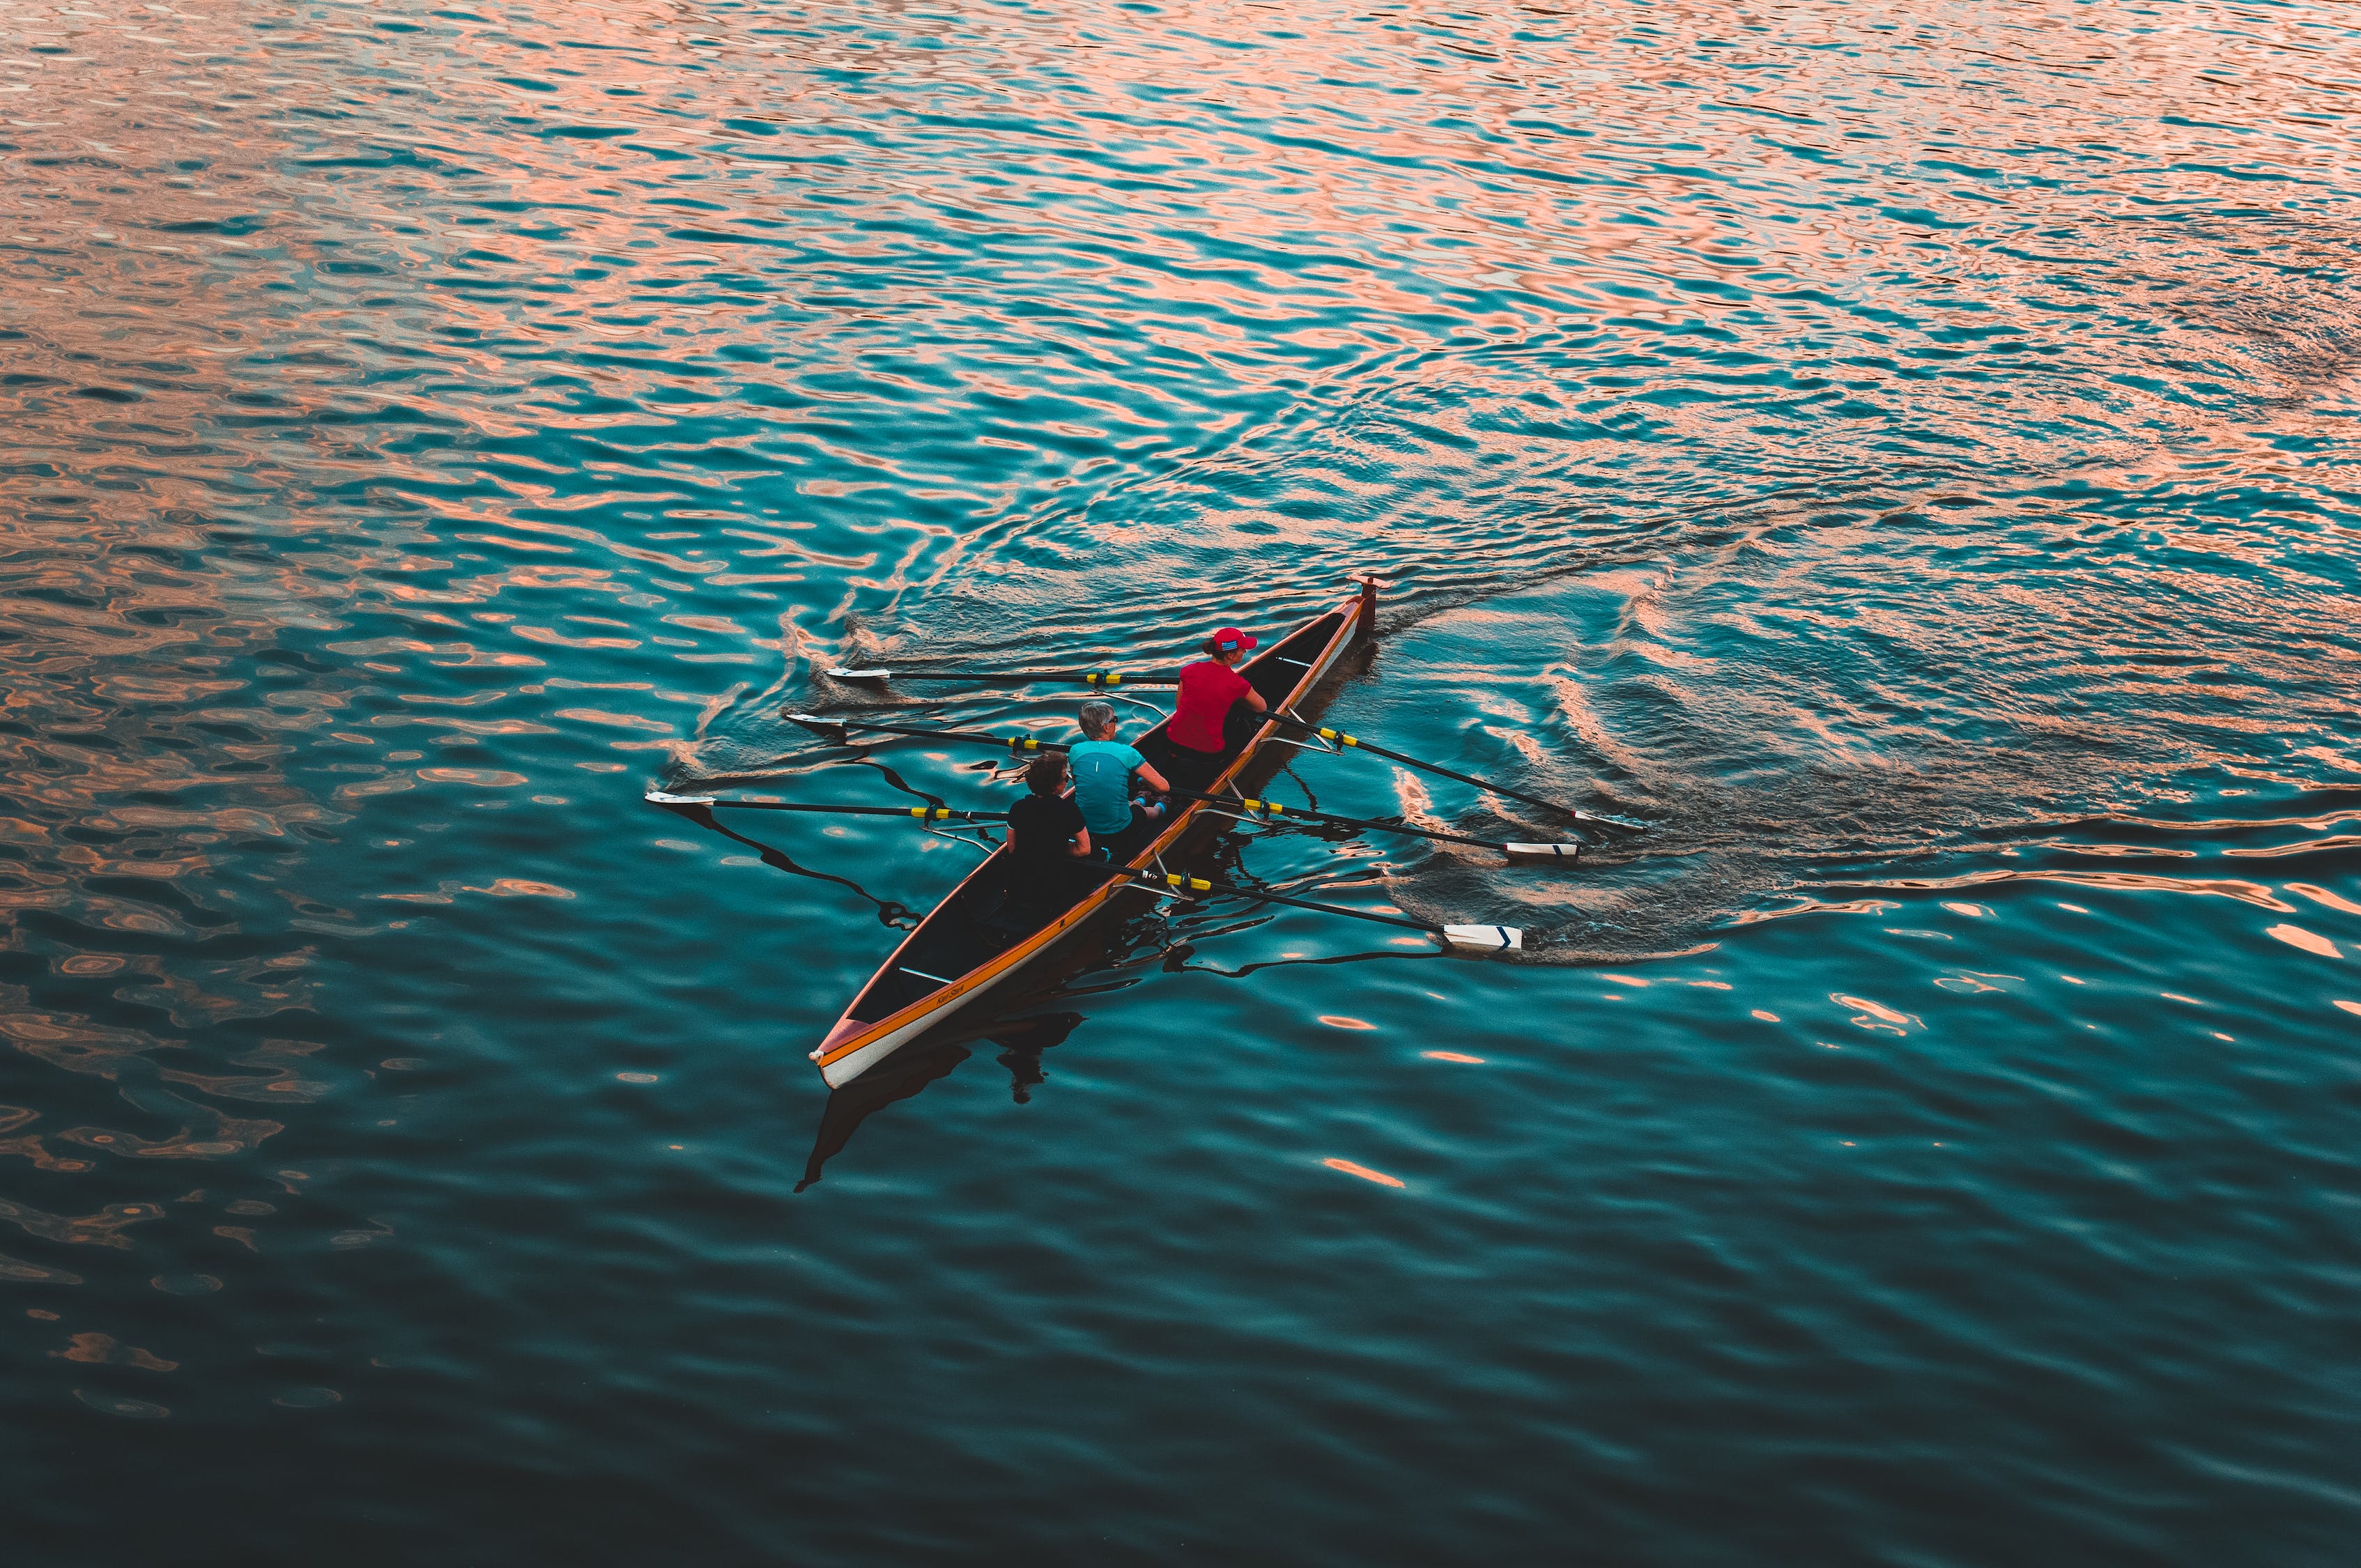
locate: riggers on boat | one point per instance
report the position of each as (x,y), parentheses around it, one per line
(981,934)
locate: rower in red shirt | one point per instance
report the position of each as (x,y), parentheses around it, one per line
(1209,688)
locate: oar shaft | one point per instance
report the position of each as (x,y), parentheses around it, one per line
(922,813)
(1265,810)
(1274,810)
(1456,938)
(962,736)
(1201,885)
(1335,909)
(1341,740)
(966,737)
(1072,678)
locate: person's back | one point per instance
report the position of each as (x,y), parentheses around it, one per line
(1044,824)
(1103,767)
(1196,738)
(1103,771)
(1046,833)
(1208,688)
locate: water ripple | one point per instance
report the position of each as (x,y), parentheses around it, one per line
(1892,470)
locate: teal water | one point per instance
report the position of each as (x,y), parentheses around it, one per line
(1903,462)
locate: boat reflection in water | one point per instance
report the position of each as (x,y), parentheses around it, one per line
(1022,1040)
(1023,1027)
(1034,1023)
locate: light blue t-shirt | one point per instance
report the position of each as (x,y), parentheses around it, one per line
(1103,772)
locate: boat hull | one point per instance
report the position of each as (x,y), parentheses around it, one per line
(883,1018)
(838,1067)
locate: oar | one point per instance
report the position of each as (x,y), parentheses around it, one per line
(1564,853)
(1339,739)
(685,804)
(1068,678)
(838,730)
(699,808)
(1456,938)
(1172,677)
(1516,854)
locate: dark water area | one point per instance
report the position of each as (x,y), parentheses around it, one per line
(1900,461)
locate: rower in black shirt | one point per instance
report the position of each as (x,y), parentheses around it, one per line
(1046,833)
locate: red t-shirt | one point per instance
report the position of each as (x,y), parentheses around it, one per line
(1207,689)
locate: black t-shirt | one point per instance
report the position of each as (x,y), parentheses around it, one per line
(1042,827)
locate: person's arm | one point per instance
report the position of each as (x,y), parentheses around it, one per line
(1151,778)
(1081,844)
(1253,697)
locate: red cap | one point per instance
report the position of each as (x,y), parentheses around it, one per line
(1230,637)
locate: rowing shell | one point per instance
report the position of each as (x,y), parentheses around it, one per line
(975,938)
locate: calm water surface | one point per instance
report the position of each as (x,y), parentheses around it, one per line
(1901,460)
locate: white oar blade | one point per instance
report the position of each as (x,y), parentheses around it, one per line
(861,675)
(664,797)
(1559,854)
(1483,939)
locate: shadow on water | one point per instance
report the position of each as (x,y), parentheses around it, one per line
(1023,1034)
(907,1073)
(1033,1022)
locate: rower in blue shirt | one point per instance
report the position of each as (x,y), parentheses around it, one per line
(1103,770)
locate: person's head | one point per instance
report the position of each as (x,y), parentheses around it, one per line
(1098,720)
(1046,773)
(1228,645)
